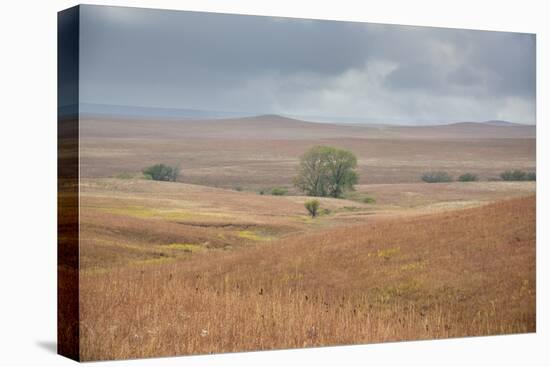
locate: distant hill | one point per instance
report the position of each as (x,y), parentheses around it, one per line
(92,110)
(502,123)
(280,127)
(472,130)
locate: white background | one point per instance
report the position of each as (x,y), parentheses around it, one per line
(28,181)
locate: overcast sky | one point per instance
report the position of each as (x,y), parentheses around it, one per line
(309,68)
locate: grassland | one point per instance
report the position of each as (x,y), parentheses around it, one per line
(454,273)
(259,154)
(196,266)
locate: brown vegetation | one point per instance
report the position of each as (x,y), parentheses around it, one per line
(207,264)
(256,153)
(453,273)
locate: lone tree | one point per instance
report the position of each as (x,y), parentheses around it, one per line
(312,207)
(326,171)
(161,172)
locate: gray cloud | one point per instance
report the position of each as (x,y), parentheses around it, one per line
(369,72)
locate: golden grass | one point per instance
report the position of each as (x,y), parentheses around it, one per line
(389,253)
(167,214)
(129,221)
(455,273)
(254,236)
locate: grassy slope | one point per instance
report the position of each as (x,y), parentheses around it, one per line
(173,268)
(133,221)
(451,273)
(129,221)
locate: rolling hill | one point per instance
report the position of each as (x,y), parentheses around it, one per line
(278,127)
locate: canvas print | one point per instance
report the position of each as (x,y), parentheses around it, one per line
(234,183)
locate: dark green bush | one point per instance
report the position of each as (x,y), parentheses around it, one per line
(436,176)
(468,177)
(518,175)
(279,191)
(161,172)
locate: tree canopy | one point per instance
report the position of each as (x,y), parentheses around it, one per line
(326,171)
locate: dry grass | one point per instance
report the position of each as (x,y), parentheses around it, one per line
(442,195)
(189,268)
(452,273)
(124,221)
(259,154)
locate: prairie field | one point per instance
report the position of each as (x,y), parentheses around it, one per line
(215,263)
(260,153)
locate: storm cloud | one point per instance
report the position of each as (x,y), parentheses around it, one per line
(322,70)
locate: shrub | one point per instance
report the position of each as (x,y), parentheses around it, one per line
(238,188)
(279,191)
(513,175)
(518,175)
(437,176)
(161,172)
(368,200)
(312,207)
(468,177)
